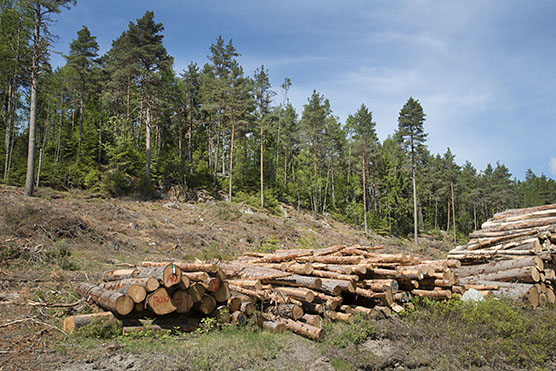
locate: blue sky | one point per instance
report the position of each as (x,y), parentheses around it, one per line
(482,70)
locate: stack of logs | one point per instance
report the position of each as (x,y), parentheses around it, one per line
(512,255)
(299,288)
(177,294)
(290,289)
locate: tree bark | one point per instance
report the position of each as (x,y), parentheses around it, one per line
(30,176)
(364,172)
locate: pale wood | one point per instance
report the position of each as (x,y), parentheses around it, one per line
(297,280)
(108,299)
(247,307)
(303,329)
(312,319)
(381,284)
(247,284)
(186,267)
(196,276)
(223,293)
(234,303)
(335,275)
(297,293)
(73,322)
(329,259)
(149,283)
(212,284)
(291,311)
(196,291)
(273,326)
(136,292)
(385,297)
(329,286)
(432,293)
(497,266)
(206,305)
(523,274)
(346,317)
(160,302)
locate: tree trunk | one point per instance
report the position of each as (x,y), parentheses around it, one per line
(9,110)
(363,173)
(80,126)
(231,161)
(30,176)
(415,226)
(453,211)
(262,157)
(148,138)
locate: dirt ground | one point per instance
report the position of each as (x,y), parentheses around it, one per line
(55,239)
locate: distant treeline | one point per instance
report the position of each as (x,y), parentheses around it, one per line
(125,123)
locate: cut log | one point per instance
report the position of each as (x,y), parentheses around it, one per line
(222,314)
(73,322)
(291,311)
(346,317)
(186,267)
(473,270)
(196,276)
(206,305)
(149,283)
(296,293)
(273,326)
(234,303)
(212,284)
(382,284)
(522,274)
(433,293)
(247,284)
(303,329)
(160,302)
(223,293)
(169,275)
(297,280)
(183,301)
(239,318)
(330,286)
(247,307)
(313,308)
(385,297)
(312,319)
(335,275)
(135,292)
(108,299)
(329,259)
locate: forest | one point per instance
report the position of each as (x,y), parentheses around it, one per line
(125,123)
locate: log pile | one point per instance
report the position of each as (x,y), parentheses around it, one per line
(176,294)
(289,289)
(298,289)
(513,254)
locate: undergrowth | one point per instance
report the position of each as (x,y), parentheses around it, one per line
(483,334)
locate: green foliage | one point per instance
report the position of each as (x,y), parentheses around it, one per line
(100,329)
(489,330)
(60,254)
(271,204)
(343,334)
(309,240)
(116,183)
(269,246)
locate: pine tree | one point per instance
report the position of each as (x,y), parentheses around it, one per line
(42,11)
(150,55)
(362,130)
(263,97)
(410,131)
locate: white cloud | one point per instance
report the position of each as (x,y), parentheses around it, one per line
(553,165)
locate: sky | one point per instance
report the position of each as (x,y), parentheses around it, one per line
(483,71)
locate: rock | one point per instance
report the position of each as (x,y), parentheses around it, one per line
(472,295)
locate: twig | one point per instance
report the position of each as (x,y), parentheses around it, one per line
(54,305)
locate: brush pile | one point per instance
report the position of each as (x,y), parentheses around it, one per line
(512,255)
(289,289)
